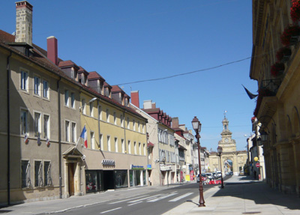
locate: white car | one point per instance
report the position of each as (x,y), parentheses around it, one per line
(218,174)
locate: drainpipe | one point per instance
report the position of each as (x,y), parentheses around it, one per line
(8,127)
(59,140)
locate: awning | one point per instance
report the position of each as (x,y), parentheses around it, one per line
(181,147)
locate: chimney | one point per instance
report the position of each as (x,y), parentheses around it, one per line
(175,122)
(24,22)
(135,98)
(52,49)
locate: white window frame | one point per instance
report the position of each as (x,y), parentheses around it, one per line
(24,122)
(24,80)
(108,143)
(91,109)
(115,118)
(101,141)
(37,124)
(139,129)
(100,112)
(129,146)
(123,145)
(133,124)
(37,85)
(144,148)
(72,96)
(67,130)
(83,105)
(92,136)
(134,148)
(67,98)
(25,176)
(46,126)
(73,132)
(107,115)
(116,145)
(140,149)
(38,174)
(122,120)
(128,123)
(46,94)
(47,174)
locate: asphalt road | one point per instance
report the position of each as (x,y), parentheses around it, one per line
(156,202)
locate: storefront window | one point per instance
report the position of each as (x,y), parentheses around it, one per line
(93,181)
(121,178)
(138,177)
(131,177)
(144,177)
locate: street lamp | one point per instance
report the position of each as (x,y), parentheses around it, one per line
(197,128)
(220,150)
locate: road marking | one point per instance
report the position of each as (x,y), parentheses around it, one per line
(110,210)
(180,197)
(163,197)
(125,200)
(135,203)
(148,197)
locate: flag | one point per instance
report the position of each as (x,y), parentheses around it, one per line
(251,95)
(26,140)
(47,142)
(83,136)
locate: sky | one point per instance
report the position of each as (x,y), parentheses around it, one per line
(190,57)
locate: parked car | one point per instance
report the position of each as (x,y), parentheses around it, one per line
(218,174)
(203,178)
(210,176)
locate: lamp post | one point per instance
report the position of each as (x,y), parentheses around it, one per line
(197,128)
(220,150)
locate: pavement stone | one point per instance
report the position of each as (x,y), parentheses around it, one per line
(240,195)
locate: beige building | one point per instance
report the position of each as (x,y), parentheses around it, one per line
(231,159)
(275,41)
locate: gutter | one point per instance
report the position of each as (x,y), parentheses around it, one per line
(59,140)
(8,126)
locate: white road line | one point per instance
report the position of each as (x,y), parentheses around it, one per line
(180,197)
(110,210)
(135,203)
(138,200)
(163,197)
(125,200)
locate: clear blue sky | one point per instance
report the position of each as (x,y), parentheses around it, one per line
(132,40)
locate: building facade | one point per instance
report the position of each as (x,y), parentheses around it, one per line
(275,40)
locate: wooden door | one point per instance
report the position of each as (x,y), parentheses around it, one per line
(71,178)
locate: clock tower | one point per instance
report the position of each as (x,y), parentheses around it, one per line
(227,143)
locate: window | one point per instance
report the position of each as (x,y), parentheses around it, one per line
(134,148)
(67,131)
(101,141)
(67,98)
(25,171)
(24,121)
(73,100)
(38,173)
(45,89)
(24,80)
(139,129)
(47,173)
(37,124)
(83,106)
(143,129)
(144,148)
(107,115)
(36,85)
(128,123)
(91,109)
(100,112)
(129,147)
(115,118)
(122,120)
(73,132)
(108,144)
(93,140)
(140,149)
(123,146)
(116,145)
(133,124)
(46,126)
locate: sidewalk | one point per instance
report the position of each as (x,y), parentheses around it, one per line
(241,195)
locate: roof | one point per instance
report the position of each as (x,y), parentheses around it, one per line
(39,57)
(95,76)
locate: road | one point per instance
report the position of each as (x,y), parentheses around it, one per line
(156,202)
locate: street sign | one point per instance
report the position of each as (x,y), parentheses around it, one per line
(257,165)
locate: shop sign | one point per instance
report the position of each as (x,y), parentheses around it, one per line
(136,167)
(165,168)
(149,166)
(107,162)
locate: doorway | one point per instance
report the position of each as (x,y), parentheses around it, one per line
(71,172)
(108,180)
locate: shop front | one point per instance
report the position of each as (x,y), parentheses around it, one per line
(137,175)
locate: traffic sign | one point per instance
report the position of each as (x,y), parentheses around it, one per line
(257,165)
